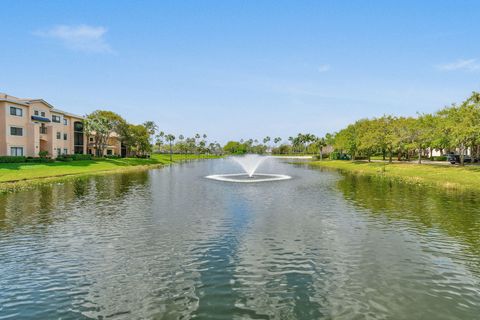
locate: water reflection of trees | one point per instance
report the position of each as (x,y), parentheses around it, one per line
(43,205)
(456,214)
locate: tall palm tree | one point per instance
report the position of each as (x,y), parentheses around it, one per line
(170,138)
(320,142)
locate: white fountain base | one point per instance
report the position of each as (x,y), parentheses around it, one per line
(245,178)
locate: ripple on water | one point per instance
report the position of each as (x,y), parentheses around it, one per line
(168,244)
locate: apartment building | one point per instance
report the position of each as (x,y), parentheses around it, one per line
(30,126)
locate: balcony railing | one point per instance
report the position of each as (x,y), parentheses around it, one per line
(43,130)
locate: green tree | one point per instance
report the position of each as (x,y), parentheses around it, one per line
(170,138)
(102,125)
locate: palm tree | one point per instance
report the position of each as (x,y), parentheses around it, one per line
(182,146)
(159,139)
(170,138)
(320,142)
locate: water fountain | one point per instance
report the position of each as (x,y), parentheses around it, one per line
(249,164)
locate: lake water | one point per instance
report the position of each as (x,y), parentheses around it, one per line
(170,244)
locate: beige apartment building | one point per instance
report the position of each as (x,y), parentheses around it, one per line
(30,126)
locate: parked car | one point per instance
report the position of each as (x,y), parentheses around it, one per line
(455,158)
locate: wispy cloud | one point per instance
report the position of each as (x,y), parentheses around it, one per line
(83,38)
(461,64)
(323,68)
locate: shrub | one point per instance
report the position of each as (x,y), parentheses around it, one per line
(12,159)
(64,158)
(112,156)
(43,154)
(79,156)
(440,158)
(39,160)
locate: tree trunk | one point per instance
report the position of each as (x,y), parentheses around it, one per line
(390,160)
(462,155)
(419,155)
(171,151)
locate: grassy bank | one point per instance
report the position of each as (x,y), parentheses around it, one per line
(20,175)
(447,177)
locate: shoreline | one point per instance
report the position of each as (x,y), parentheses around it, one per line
(159,161)
(450,178)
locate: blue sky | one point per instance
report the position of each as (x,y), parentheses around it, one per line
(242,69)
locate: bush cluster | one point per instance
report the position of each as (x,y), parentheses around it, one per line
(12,159)
(79,156)
(39,160)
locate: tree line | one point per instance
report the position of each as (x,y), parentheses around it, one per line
(453,129)
(140,140)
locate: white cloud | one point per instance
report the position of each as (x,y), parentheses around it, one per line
(461,64)
(323,68)
(79,38)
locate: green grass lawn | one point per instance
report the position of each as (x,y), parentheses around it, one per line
(448,177)
(12,172)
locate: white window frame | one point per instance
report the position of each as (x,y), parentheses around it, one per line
(17,147)
(16,109)
(16,135)
(65,151)
(54,116)
(59,135)
(65,121)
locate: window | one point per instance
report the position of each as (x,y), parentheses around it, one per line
(65,136)
(56,118)
(65,121)
(59,135)
(91,139)
(109,152)
(15,131)
(42,114)
(35,112)
(16,112)
(16,151)
(59,151)
(65,151)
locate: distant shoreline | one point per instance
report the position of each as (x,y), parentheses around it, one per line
(454,178)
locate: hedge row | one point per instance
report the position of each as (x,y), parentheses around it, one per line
(12,159)
(65,158)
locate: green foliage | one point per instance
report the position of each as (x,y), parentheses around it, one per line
(101,125)
(64,158)
(79,156)
(454,127)
(12,159)
(39,160)
(235,147)
(137,139)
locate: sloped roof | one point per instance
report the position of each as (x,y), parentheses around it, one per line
(26,102)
